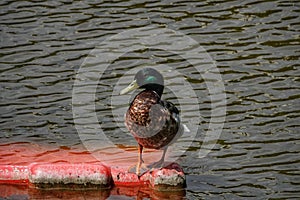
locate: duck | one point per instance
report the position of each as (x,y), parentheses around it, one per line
(153,122)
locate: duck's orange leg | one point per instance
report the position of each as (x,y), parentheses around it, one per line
(140,159)
(140,164)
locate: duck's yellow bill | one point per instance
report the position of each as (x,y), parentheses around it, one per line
(133,85)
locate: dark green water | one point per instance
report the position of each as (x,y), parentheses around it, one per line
(254,44)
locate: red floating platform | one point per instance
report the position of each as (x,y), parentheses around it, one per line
(91,174)
(80,171)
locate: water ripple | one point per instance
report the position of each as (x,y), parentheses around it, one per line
(255,45)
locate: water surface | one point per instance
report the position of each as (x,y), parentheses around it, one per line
(255,45)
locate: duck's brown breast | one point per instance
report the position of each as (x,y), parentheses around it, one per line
(149,121)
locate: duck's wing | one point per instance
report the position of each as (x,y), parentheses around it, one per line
(174,119)
(173,111)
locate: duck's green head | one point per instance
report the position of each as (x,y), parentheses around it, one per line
(147,78)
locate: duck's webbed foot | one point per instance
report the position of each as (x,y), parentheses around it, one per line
(138,169)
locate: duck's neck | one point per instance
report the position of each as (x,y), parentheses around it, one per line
(158,89)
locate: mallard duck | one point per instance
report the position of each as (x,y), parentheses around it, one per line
(154,123)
